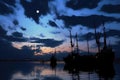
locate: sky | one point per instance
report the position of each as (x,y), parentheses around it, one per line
(35,28)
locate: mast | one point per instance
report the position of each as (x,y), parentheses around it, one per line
(87,44)
(55,52)
(97,38)
(35,52)
(104,33)
(72,45)
(77,43)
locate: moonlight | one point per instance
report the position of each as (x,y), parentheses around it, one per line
(37,11)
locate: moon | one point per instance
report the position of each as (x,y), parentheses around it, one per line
(37,11)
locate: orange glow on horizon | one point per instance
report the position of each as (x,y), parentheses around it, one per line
(47,50)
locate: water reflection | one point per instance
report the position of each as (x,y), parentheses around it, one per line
(40,71)
(104,72)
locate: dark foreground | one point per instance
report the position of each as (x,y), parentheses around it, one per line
(43,71)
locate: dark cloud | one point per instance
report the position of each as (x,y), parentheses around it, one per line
(15,22)
(52,42)
(22,28)
(2,32)
(113,33)
(15,39)
(56,32)
(34,38)
(89,21)
(38,50)
(53,24)
(17,34)
(78,4)
(31,7)
(5,9)
(91,36)
(9,2)
(41,35)
(111,8)
(7,51)
(47,42)
(11,28)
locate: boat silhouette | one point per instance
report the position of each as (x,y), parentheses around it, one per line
(53,60)
(103,57)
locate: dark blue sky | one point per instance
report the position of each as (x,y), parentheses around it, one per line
(30,28)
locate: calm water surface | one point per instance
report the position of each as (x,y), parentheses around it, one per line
(40,71)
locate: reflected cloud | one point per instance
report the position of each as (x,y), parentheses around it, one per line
(40,72)
(43,71)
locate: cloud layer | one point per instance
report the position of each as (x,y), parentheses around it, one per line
(21,25)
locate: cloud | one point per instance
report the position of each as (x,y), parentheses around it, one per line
(53,24)
(29,0)
(88,21)
(52,42)
(56,32)
(111,8)
(7,51)
(12,2)
(2,32)
(17,34)
(41,35)
(31,7)
(15,22)
(113,33)
(91,36)
(18,37)
(86,15)
(4,9)
(47,42)
(79,4)
(15,39)
(22,28)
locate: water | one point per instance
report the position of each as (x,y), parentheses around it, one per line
(40,71)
